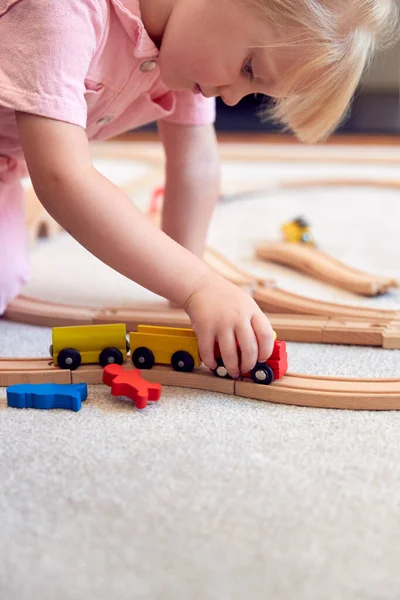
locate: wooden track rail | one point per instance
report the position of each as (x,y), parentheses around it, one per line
(321,265)
(275,299)
(321,329)
(294,389)
(31,370)
(240,277)
(152,152)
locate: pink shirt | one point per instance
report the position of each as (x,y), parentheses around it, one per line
(87,62)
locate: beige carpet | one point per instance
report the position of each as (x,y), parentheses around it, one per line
(206,496)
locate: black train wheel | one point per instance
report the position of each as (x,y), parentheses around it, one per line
(143,358)
(182,361)
(109,356)
(262,373)
(69,358)
(220,370)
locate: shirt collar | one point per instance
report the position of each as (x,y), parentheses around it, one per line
(128,12)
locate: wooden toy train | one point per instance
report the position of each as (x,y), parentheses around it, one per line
(298,231)
(149,345)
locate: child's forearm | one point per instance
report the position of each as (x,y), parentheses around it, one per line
(100,217)
(192,183)
(187,210)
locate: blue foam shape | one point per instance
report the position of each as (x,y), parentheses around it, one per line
(47,395)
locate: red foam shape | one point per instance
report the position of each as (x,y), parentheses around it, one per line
(131,384)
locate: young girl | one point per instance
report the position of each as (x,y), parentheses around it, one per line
(76,70)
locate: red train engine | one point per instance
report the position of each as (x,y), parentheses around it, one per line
(266,372)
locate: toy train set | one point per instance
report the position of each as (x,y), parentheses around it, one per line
(147,346)
(304,319)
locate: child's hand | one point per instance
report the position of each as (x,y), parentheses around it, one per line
(220,311)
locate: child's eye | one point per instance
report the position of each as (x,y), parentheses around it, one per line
(248,69)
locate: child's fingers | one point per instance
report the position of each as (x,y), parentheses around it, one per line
(229,353)
(248,346)
(264,334)
(206,343)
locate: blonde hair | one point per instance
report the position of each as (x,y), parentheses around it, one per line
(339,38)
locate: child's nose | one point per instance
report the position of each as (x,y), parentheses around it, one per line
(232,94)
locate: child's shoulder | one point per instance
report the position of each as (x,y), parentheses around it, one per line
(45,11)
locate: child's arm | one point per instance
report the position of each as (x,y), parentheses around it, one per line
(106,222)
(192,182)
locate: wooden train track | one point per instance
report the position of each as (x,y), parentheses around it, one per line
(276,299)
(240,277)
(152,152)
(31,370)
(322,329)
(321,265)
(310,320)
(316,321)
(293,389)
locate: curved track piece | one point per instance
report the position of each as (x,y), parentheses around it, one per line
(293,388)
(327,392)
(278,300)
(240,277)
(48,314)
(322,266)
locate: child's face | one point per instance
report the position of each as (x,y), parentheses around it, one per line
(210,44)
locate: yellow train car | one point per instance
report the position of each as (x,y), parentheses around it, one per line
(174,346)
(298,231)
(73,346)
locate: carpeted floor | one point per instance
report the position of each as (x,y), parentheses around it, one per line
(205,496)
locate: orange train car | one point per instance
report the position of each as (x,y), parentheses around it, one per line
(151,345)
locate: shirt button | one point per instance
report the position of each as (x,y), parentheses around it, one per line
(104,120)
(148,65)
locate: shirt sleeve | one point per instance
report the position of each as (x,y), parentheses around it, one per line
(192,109)
(46,48)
